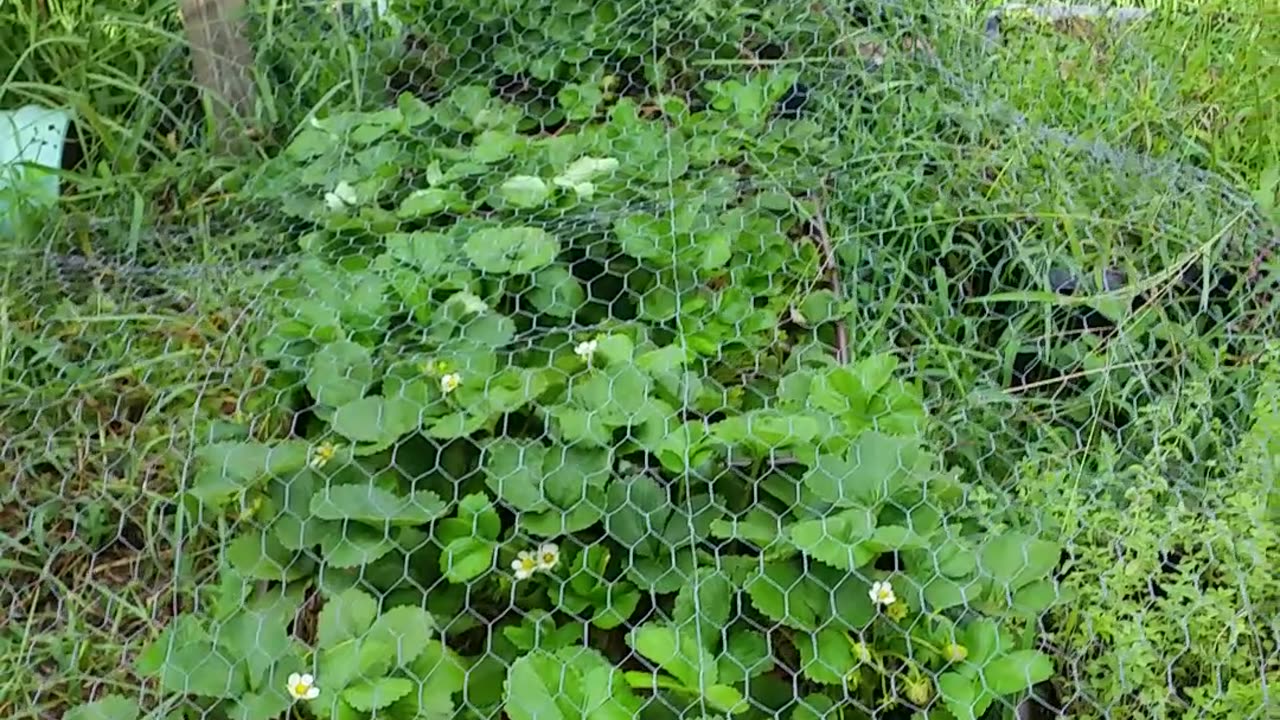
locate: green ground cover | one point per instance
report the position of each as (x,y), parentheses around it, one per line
(646,359)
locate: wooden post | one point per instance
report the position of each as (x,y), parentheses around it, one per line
(222,60)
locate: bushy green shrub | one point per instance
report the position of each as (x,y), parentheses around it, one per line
(1172,564)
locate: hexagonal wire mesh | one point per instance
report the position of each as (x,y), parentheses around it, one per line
(649,359)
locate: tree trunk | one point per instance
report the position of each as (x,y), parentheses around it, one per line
(223,61)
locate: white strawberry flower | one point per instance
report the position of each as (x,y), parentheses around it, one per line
(882,594)
(586,350)
(548,556)
(450,382)
(525,565)
(303,687)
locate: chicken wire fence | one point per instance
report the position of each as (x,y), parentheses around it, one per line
(647,359)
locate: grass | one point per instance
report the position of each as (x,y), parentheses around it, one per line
(111,375)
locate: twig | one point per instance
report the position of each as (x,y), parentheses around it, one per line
(832,274)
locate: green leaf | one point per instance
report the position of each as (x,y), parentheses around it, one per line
(405,628)
(375,419)
(414,111)
(439,669)
(959,695)
(615,349)
(615,394)
(579,427)
(525,191)
(715,246)
(805,598)
(619,605)
(777,592)
(183,631)
(1013,559)
(982,638)
(758,527)
(476,518)
(294,525)
(349,662)
(675,652)
(1017,671)
(513,471)
(662,361)
(746,655)
(725,699)
(345,617)
(575,475)
(376,694)
(556,292)
(466,558)
(584,170)
(310,143)
(227,468)
(875,468)
(532,686)
(260,556)
(830,589)
(706,601)
(202,670)
(819,307)
(257,638)
(767,429)
(457,425)
(514,388)
(267,705)
(511,249)
(1038,596)
(492,146)
(428,202)
(664,573)
(942,592)
(814,707)
(895,537)
(111,707)
(376,506)
(605,693)
(424,251)
(954,557)
(565,521)
(837,539)
(826,656)
(355,545)
(339,373)
(638,510)
(490,330)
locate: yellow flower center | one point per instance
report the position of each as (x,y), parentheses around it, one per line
(300,689)
(528,563)
(548,558)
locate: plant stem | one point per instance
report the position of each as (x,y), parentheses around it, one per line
(832,274)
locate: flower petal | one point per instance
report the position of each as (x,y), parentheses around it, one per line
(308,679)
(313,692)
(294,679)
